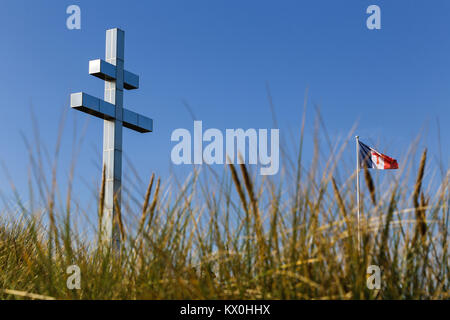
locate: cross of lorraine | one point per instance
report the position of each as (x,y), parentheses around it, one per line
(115,117)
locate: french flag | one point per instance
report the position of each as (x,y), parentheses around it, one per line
(372,159)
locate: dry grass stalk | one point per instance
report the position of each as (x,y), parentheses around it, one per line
(370,184)
(30,295)
(101,203)
(154,202)
(145,205)
(420,211)
(118,217)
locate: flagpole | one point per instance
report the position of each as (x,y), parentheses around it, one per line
(357,188)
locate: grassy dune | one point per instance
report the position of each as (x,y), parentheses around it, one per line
(236,235)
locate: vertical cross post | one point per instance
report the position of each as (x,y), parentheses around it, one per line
(112,138)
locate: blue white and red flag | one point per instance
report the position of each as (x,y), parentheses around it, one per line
(375,160)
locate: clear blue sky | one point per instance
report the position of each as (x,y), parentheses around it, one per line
(218,56)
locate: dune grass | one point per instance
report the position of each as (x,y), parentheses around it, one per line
(236,235)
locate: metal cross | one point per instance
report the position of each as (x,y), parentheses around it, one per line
(115,117)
